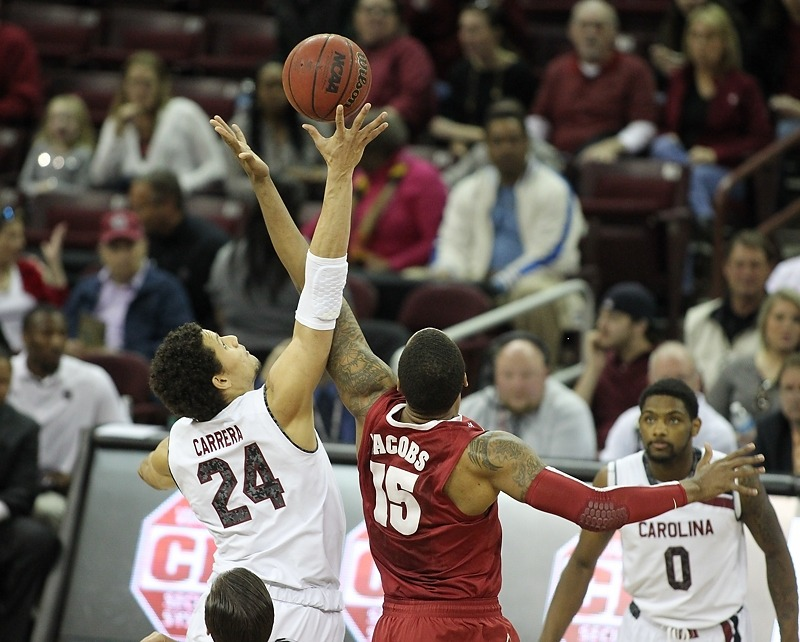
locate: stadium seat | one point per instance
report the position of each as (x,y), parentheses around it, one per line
(63,33)
(131,374)
(177,37)
(364,295)
(96,87)
(14,143)
(639,227)
(237,43)
(442,304)
(214,95)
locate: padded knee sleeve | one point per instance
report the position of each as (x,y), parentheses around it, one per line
(601,509)
(321,298)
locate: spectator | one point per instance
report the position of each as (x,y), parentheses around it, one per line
(130,304)
(270,122)
(514,225)
(24,280)
(485,73)
(29,547)
(687,569)
(527,402)
(777,61)
(177,242)
(21,91)
(666,53)
(65,396)
(750,379)
(62,150)
(299,19)
(250,291)
(148,129)
(403,74)
(617,353)
(777,433)
(724,326)
(595,104)
(398,202)
(785,275)
(715,115)
(670,360)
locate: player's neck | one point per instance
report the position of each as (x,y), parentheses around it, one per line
(674,470)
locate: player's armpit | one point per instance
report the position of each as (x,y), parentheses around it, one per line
(601,509)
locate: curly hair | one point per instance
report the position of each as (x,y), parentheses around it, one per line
(181,374)
(431,372)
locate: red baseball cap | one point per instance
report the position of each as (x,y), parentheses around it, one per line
(121,224)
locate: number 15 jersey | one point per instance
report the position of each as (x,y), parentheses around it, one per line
(687,567)
(424,547)
(270,506)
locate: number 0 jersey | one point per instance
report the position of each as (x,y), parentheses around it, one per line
(271,507)
(424,547)
(687,567)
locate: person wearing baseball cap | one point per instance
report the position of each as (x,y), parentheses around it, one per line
(130,304)
(616,352)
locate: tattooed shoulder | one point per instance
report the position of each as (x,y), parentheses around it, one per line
(501,452)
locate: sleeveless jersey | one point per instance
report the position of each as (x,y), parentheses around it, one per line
(424,547)
(686,568)
(270,506)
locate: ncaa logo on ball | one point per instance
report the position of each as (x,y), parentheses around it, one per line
(363,65)
(337,68)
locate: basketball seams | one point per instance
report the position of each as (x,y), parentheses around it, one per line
(314,84)
(287,79)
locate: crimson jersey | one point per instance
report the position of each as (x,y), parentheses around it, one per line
(424,547)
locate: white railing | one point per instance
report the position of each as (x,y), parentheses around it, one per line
(504,313)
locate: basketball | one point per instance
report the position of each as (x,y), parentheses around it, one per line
(324,71)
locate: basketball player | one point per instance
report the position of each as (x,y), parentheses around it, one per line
(238,609)
(685,569)
(249,462)
(430,478)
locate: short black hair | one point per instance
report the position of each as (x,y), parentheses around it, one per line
(672,388)
(239,608)
(506,108)
(40,309)
(430,372)
(165,186)
(181,374)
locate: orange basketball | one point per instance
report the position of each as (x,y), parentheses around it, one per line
(324,71)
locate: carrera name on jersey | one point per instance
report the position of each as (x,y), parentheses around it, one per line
(217,440)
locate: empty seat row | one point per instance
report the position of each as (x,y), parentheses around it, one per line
(219,42)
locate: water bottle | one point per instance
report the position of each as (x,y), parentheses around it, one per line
(743,423)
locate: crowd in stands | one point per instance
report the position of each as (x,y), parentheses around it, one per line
(476,180)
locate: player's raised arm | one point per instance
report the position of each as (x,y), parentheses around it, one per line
(510,466)
(359,375)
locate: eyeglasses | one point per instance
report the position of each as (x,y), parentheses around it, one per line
(762,399)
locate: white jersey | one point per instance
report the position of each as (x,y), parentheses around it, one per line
(271,507)
(686,568)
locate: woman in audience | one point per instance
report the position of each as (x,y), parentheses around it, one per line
(62,150)
(274,128)
(715,115)
(25,280)
(149,129)
(486,72)
(249,288)
(751,380)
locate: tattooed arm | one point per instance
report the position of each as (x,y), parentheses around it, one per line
(759,516)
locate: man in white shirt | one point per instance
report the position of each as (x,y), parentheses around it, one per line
(670,360)
(65,396)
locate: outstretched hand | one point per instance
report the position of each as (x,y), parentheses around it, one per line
(235,139)
(727,474)
(342,150)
